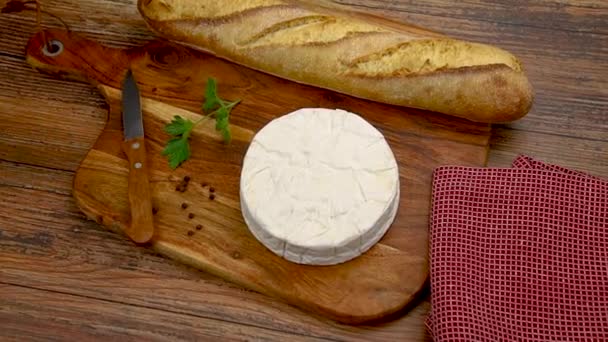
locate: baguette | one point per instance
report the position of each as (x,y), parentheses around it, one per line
(351,53)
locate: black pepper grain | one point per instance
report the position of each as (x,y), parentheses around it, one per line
(184,205)
(211,189)
(154,210)
(191,216)
(186,179)
(204,184)
(212,197)
(199,227)
(190,233)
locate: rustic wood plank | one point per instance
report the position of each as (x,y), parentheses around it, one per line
(55,135)
(116,22)
(36,178)
(20,81)
(586,16)
(586,155)
(38,315)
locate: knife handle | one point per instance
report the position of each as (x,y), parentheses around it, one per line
(141,229)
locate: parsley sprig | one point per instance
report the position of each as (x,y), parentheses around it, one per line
(177,149)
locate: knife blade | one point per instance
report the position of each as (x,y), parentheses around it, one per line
(141,227)
(132,121)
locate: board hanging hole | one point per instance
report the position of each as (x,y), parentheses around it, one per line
(52,48)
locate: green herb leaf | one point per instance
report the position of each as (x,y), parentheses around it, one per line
(177,149)
(226,135)
(221,118)
(211,98)
(179,126)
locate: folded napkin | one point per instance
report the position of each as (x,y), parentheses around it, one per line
(518,254)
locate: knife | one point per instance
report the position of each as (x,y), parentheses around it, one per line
(141,228)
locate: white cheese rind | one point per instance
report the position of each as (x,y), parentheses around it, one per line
(319,186)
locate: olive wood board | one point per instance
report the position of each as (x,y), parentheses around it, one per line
(199,222)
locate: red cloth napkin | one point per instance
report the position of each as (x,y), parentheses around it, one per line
(518,254)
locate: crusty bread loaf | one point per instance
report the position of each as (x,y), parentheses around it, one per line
(351,53)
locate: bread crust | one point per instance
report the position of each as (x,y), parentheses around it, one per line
(351,53)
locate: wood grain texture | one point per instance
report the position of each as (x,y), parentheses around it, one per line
(47,244)
(54,249)
(211,233)
(586,16)
(100,320)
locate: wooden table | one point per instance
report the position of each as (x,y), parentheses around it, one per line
(67,278)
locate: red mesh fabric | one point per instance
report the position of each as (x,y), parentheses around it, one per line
(518,254)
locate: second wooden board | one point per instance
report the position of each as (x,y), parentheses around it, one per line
(204,227)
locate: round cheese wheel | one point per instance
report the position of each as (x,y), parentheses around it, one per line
(319,186)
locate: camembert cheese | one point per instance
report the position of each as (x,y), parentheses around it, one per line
(319,186)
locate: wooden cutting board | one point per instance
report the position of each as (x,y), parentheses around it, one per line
(210,233)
